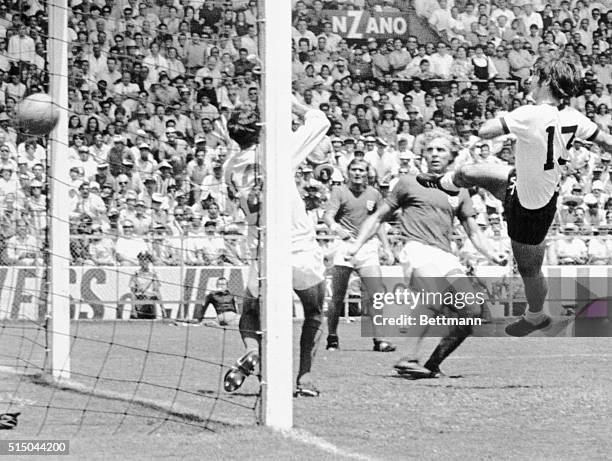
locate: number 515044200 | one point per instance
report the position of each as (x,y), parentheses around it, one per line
(34,447)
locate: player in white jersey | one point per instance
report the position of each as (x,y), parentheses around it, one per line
(307,259)
(545,132)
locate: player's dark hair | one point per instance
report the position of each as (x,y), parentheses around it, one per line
(560,74)
(243,127)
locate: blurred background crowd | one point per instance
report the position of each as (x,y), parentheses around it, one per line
(152,84)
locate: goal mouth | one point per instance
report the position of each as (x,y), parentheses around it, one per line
(180,412)
(145,374)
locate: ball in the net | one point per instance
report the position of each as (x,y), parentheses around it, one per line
(36,115)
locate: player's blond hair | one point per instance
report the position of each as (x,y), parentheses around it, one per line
(437,133)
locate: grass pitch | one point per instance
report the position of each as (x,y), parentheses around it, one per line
(507,398)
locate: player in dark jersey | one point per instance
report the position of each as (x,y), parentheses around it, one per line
(224,303)
(349,206)
(426,220)
(545,132)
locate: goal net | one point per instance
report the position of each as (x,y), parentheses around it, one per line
(80,350)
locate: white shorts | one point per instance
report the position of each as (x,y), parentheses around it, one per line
(308,268)
(228,318)
(308,271)
(367,255)
(416,255)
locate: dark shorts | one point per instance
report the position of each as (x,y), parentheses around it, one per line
(145,311)
(527,226)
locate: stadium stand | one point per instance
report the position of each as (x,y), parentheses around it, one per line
(153,83)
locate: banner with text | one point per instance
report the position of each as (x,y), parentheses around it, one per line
(359,25)
(104,293)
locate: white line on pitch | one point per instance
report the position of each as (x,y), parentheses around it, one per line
(305,437)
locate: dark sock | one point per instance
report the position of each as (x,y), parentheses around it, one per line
(340,279)
(308,341)
(312,301)
(446,347)
(249,322)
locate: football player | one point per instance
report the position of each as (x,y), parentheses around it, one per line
(545,132)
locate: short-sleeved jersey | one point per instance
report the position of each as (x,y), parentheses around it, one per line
(351,210)
(144,283)
(545,134)
(427,215)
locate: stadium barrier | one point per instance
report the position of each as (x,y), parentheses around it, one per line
(102,293)
(444,84)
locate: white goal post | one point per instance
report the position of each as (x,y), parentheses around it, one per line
(58,270)
(276,307)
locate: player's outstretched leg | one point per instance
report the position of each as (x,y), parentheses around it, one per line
(426,279)
(529,259)
(247,364)
(340,280)
(445,347)
(456,282)
(244,367)
(491,177)
(312,301)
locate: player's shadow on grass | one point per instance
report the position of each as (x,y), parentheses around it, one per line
(359,350)
(444,383)
(410,377)
(209,392)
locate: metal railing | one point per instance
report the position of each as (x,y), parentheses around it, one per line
(192,250)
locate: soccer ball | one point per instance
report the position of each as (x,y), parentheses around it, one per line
(36,115)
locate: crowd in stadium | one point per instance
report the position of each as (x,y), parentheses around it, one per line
(152,84)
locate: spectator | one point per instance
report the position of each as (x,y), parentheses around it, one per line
(163,250)
(598,252)
(383,160)
(483,66)
(21,47)
(85,203)
(441,62)
(129,245)
(101,248)
(23,249)
(569,248)
(461,68)
(441,18)
(152,88)
(520,60)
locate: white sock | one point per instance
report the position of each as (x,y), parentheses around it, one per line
(534,317)
(447,183)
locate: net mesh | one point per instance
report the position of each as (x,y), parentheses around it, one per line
(127,374)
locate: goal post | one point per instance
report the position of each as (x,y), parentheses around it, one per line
(58,263)
(277,298)
(276,303)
